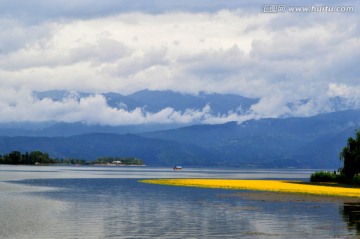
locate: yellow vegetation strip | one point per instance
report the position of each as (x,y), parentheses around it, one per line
(261,185)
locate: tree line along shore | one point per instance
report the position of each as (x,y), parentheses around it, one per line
(41,158)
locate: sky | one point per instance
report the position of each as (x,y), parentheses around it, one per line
(222,46)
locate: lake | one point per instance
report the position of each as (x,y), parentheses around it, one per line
(109,202)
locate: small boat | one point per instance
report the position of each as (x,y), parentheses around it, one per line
(177,168)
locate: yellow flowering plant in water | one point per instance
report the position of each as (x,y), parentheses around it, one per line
(261,185)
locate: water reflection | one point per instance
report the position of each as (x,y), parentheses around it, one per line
(125,208)
(351,215)
(111,203)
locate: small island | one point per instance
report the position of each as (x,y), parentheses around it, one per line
(41,158)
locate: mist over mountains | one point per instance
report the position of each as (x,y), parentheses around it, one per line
(303,142)
(157,101)
(219,105)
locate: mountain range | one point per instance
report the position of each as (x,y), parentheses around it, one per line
(290,142)
(154,101)
(301,142)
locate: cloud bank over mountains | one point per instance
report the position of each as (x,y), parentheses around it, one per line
(296,63)
(100,109)
(95,109)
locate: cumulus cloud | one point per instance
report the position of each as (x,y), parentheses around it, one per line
(295,63)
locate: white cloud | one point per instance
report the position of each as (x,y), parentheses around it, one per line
(280,58)
(20,106)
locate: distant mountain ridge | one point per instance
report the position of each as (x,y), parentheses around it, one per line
(291,142)
(304,142)
(312,142)
(154,101)
(146,100)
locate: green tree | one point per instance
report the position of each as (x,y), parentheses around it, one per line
(350,156)
(40,157)
(15,157)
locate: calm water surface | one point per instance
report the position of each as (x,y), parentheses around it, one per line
(109,202)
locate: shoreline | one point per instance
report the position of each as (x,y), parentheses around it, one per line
(270,189)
